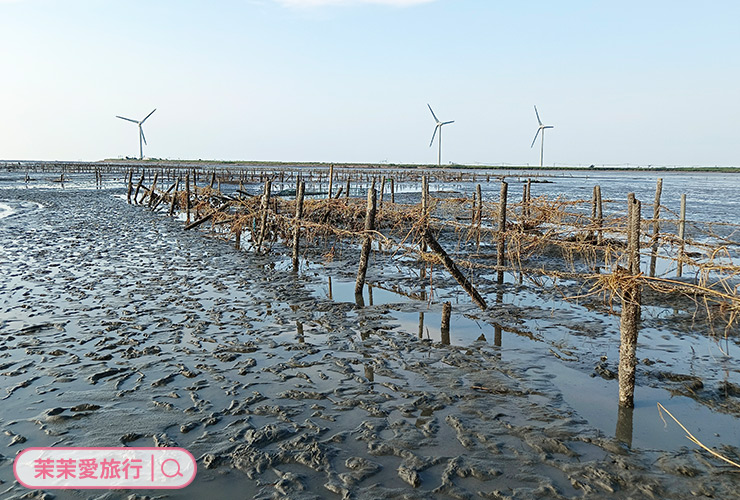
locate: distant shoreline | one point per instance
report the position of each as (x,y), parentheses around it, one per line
(20,164)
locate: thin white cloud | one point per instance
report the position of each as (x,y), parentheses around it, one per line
(321,3)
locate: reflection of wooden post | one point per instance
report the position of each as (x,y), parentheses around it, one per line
(501,247)
(681,233)
(630,318)
(367,243)
(656,226)
(625,425)
(445,327)
(297,224)
(264,209)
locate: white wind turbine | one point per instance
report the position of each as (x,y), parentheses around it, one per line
(438,127)
(141,131)
(542,141)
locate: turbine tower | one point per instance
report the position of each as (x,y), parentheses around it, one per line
(438,127)
(542,141)
(141,131)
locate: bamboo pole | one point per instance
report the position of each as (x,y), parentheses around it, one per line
(152,191)
(187,196)
(331,180)
(174,197)
(138,186)
(478,217)
(599,216)
(130,186)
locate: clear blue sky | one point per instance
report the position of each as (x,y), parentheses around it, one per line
(639,82)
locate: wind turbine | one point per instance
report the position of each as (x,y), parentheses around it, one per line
(542,141)
(141,131)
(438,127)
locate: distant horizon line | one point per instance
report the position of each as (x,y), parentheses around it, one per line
(475,166)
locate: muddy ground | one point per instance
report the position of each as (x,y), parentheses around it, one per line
(119,328)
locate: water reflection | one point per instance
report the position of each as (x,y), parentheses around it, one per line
(625,425)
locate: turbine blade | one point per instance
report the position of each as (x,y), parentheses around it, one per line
(538,116)
(446,123)
(150,114)
(127,119)
(141,130)
(535,137)
(433,135)
(435,116)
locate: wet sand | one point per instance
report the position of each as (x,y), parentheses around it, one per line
(120,328)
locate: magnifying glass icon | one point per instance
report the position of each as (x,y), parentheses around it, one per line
(177,464)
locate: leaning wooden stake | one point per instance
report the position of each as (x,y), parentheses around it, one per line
(630,317)
(453,270)
(367,243)
(382,190)
(681,233)
(656,226)
(297,224)
(264,209)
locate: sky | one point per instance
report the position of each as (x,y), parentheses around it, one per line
(630,82)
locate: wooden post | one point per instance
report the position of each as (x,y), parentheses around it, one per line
(424,208)
(130,185)
(656,226)
(297,224)
(501,247)
(174,197)
(382,190)
(599,216)
(393,192)
(138,186)
(529,196)
(630,317)
(187,197)
(478,217)
(213,179)
(453,270)
(331,180)
(445,327)
(152,192)
(346,195)
(367,243)
(264,209)
(681,234)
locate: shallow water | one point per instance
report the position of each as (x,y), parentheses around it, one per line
(297,392)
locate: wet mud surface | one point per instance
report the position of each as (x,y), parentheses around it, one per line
(119,328)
